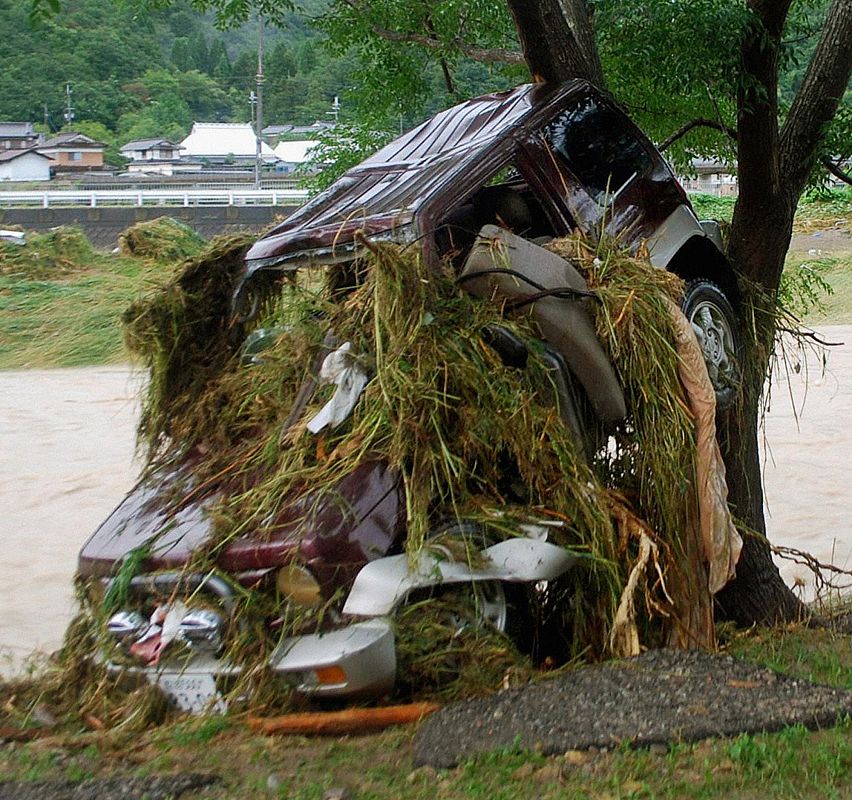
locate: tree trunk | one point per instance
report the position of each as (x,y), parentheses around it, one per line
(557,37)
(774,166)
(558,40)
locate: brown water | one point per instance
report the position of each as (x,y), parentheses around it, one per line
(66,449)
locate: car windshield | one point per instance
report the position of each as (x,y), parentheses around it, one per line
(593,141)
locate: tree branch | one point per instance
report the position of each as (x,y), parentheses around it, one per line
(697,123)
(835,170)
(818,98)
(486,55)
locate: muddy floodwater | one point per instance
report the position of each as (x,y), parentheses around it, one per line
(66,459)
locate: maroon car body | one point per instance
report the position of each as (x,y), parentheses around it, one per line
(577,163)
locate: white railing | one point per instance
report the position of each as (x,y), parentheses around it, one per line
(153,197)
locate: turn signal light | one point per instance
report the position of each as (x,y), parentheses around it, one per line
(327,676)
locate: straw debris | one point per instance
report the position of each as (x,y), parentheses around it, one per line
(162,239)
(470,438)
(45,256)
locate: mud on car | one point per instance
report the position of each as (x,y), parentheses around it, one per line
(481,187)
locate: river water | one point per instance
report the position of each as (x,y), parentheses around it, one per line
(66,459)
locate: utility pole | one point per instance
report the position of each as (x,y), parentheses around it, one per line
(69,109)
(335,110)
(258,115)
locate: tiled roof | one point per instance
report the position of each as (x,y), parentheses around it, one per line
(10,155)
(11,129)
(294,152)
(222,139)
(72,139)
(147,144)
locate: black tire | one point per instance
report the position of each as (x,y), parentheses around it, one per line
(715,325)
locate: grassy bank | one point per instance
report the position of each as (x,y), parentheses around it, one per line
(69,316)
(793,763)
(72,320)
(817,211)
(61,300)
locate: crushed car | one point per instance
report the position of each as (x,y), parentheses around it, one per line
(481,187)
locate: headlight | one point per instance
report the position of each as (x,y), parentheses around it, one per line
(296,583)
(202,628)
(125,625)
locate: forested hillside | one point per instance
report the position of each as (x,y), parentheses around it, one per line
(136,73)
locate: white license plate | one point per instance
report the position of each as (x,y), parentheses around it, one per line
(190,691)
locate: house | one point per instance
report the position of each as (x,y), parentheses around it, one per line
(156,157)
(224,143)
(275,133)
(152,150)
(74,152)
(24,165)
(711,177)
(18,136)
(292,155)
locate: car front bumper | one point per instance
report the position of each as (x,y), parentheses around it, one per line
(358,660)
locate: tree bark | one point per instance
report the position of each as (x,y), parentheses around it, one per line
(558,40)
(774,167)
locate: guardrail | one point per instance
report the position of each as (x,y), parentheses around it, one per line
(149,197)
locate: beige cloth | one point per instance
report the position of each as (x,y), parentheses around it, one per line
(721,541)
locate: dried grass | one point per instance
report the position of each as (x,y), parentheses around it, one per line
(162,239)
(471,438)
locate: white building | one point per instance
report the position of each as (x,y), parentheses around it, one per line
(224,143)
(156,157)
(24,165)
(292,155)
(711,177)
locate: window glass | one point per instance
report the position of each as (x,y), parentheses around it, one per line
(598,146)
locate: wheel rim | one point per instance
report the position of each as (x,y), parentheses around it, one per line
(714,334)
(488,607)
(491,605)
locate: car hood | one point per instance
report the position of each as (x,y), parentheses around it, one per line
(342,528)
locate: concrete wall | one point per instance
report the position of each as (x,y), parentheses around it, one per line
(103,225)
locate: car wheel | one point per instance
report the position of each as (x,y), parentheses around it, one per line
(494,605)
(713,320)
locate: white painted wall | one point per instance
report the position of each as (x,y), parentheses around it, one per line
(28,167)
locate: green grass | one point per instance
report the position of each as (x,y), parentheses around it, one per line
(816,210)
(793,763)
(836,270)
(71,319)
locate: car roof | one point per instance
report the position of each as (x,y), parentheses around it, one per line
(390,186)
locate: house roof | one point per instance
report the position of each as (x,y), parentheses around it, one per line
(148,144)
(294,152)
(72,139)
(278,130)
(10,155)
(13,129)
(222,139)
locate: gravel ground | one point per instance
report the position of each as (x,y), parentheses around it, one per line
(152,788)
(659,697)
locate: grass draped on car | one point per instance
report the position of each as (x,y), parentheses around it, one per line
(442,409)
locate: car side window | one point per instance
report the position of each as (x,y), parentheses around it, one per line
(599,147)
